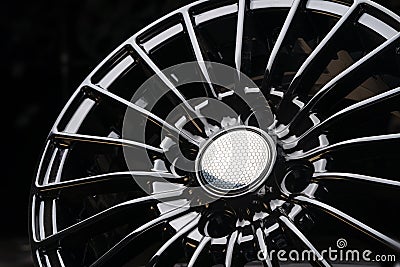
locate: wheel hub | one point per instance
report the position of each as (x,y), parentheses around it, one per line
(235,161)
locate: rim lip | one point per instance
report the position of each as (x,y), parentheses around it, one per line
(254,185)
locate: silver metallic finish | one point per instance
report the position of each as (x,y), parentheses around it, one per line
(377,25)
(162,37)
(215,13)
(60,258)
(260,4)
(107,80)
(204,241)
(75,123)
(326,6)
(197,50)
(288,22)
(230,247)
(263,246)
(235,161)
(239,35)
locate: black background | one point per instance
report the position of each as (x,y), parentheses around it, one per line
(47,49)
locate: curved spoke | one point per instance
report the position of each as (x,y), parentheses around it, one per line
(317,153)
(160,74)
(197,50)
(230,247)
(112,253)
(168,83)
(362,105)
(91,183)
(106,181)
(67,138)
(315,61)
(239,35)
(82,226)
(351,221)
(204,241)
(318,257)
(143,112)
(355,177)
(279,42)
(346,80)
(182,231)
(263,246)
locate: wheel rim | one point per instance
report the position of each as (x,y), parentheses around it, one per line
(325,68)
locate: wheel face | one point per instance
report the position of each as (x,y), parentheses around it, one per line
(282,134)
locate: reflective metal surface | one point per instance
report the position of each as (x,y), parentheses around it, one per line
(329,72)
(240,158)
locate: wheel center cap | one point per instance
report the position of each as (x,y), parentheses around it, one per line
(236,161)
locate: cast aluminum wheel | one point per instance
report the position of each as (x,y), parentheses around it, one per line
(315,164)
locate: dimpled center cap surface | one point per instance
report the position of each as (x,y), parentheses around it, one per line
(235,160)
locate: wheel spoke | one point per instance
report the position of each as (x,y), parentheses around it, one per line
(318,257)
(168,82)
(160,74)
(351,221)
(355,177)
(343,83)
(320,55)
(91,184)
(144,112)
(203,68)
(362,105)
(204,241)
(239,35)
(230,247)
(319,152)
(113,253)
(263,246)
(182,231)
(197,50)
(67,138)
(360,66)
(272,61)
(83,226)
(108,181)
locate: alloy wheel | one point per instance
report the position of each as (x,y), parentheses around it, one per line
(137,175)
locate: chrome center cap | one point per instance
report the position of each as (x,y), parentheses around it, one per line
(236,161)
